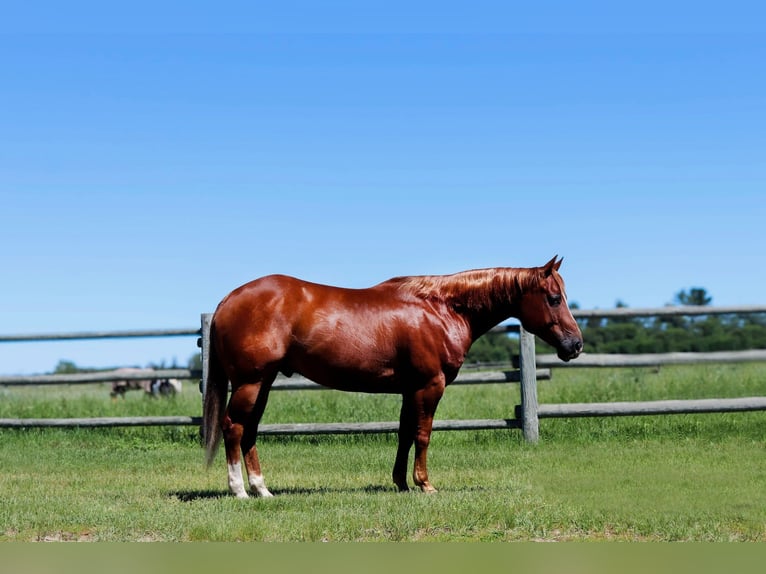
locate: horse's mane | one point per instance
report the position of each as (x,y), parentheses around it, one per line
(478,288)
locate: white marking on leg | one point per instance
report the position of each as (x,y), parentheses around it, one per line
(258,486)
(236,484)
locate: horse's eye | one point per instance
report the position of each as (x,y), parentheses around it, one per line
(554,300)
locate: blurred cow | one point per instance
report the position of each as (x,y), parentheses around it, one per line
(151,386)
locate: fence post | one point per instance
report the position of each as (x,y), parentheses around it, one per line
(204,344)
(528,374)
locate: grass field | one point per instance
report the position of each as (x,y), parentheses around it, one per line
(681,477)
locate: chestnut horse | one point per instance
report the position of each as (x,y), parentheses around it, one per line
(407,336)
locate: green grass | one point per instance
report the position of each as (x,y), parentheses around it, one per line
(683,477)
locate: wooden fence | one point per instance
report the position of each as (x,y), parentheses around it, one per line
(526,414)
(665,407)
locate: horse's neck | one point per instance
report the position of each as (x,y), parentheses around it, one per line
(484,297)
(490,296)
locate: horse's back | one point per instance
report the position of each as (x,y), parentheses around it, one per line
(284,306)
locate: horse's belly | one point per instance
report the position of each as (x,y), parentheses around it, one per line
(362,386)
(364,381)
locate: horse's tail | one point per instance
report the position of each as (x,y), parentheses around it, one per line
(216,389)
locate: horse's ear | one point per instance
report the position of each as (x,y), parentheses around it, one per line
(552,265)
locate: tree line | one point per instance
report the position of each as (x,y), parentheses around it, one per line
(702,333)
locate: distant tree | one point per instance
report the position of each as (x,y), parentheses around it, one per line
(195,362)
(620,304)
(695,296)
(491,348)
(65,367)
(676,333)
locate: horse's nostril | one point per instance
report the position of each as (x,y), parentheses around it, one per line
(578,346)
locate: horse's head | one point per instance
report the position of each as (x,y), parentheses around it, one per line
(543,311)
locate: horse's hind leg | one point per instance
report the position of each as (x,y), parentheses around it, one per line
(240,428)
(250,451)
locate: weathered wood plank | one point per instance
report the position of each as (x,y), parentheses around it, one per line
(204,345)
(568,410)
(100,377)
(529,420)
(651,360)
(670,311)
(666,407)
(101,422)
(87,335)
(381,427)
(270,429)
(282,383)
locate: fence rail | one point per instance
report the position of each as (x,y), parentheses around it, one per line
(268,429)
(531,368)
(99,377)
(295,383)
(89,335)
(587,360)
(678,311)
(638,408)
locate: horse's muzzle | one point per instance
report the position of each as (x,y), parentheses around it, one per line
(570,349)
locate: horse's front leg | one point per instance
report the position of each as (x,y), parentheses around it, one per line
(425,402)
(407,426)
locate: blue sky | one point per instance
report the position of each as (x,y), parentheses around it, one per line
(152,159)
